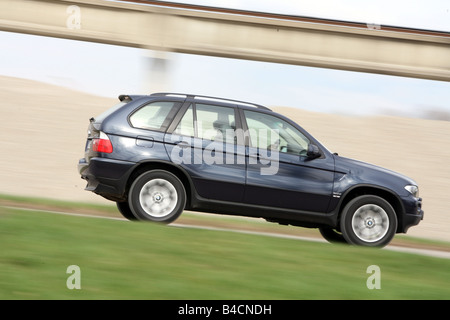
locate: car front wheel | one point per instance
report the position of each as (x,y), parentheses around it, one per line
(369,221)
(158,196)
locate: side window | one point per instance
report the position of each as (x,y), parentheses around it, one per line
(272,133)
(186,125)
(215,123)
(152,116)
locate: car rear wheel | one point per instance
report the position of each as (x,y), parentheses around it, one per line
(331,235)
(158,196)
(369,221)
(125,210)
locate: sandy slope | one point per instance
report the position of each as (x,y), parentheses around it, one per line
(43,133)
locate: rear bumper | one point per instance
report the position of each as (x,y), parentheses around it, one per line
(106,177)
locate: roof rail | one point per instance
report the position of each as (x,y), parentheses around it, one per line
(193,96)
(170,94)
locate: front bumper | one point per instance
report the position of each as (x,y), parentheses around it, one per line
(413,213)
(106,177)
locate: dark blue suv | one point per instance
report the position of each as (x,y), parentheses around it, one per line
(156,155)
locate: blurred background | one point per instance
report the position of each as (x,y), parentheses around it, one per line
(50,87)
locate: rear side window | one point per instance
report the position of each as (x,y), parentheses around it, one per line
(153,116)
(186,125)
(215,123)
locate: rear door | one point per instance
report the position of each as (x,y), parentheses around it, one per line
(204,143)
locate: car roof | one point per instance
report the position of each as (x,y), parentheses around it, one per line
(201,98)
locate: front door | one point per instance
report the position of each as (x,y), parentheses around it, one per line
(279,174)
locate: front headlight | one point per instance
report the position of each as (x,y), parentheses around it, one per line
(414,190)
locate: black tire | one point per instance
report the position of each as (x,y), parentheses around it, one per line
(157,196)
(368,221)
(125,210)
(331,235)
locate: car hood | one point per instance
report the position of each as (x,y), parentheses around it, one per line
(367,173)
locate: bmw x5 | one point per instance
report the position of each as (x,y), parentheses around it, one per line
(157,155)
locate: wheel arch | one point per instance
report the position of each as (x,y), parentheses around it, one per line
(179,172)
(384,193)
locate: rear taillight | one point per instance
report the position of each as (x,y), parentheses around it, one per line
(102,144)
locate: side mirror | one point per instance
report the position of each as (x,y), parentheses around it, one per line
(313,152)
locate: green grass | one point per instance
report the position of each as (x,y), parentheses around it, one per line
(126,260)
(55,204)
(224,221)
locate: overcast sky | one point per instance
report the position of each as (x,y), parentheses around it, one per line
(112,70)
